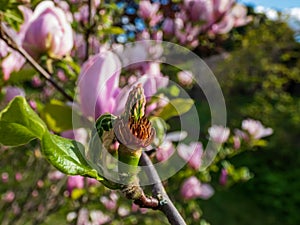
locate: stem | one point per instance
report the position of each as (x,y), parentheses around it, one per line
(168,209)
(12,43)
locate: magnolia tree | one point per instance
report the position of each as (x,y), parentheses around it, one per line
(102,92)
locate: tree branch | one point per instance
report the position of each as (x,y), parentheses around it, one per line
(158,189)
(4,35)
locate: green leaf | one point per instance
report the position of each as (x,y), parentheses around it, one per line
(59,117)
(19,123)
(176,107)
(67,156)
(13,134)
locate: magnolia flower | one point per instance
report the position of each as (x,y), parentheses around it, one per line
(18,176)
(149,11)
(136,208)
(239,13)
(110,202)
(99,84)
(192,188)
(185,77)
(8,197)
(83,217)
(55,175)
(191,153)
(48,32)
(166,149)
(4,177)
(168,26)
(223,177)
(195,8)
(97,217)
(4,50)
(218,134)
(11,92)
(256,129)
(75,182)
(236,142)
(13,60)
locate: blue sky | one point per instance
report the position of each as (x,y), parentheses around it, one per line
(277,4)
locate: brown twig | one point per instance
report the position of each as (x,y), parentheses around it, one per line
(168,207)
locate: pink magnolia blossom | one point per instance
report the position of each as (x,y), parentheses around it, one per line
(236,142)
(11,92)
(18,176)
(55,175)
(168,26)
(218,134)
(83,14)
(83,217)
(8,197)
(241,135)
(191,153)
(185,77)
(136,208)
(122,211)
(239,13)
(4,50)
(165,151)
(75,182)
(149,11)
(110,202)
(48,32)
(36,81)
(13,62)
(256,129)
(91,181)
(99,84)
(223,177)
(193,188)
(196,8)
(4,177)
(97,218)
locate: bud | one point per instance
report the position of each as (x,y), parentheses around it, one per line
(48,32)
(134,132)
(133,129)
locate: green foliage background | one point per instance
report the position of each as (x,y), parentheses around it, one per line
(261,80)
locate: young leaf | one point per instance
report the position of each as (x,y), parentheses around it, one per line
(19,123)
(175,107)
(67,156)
